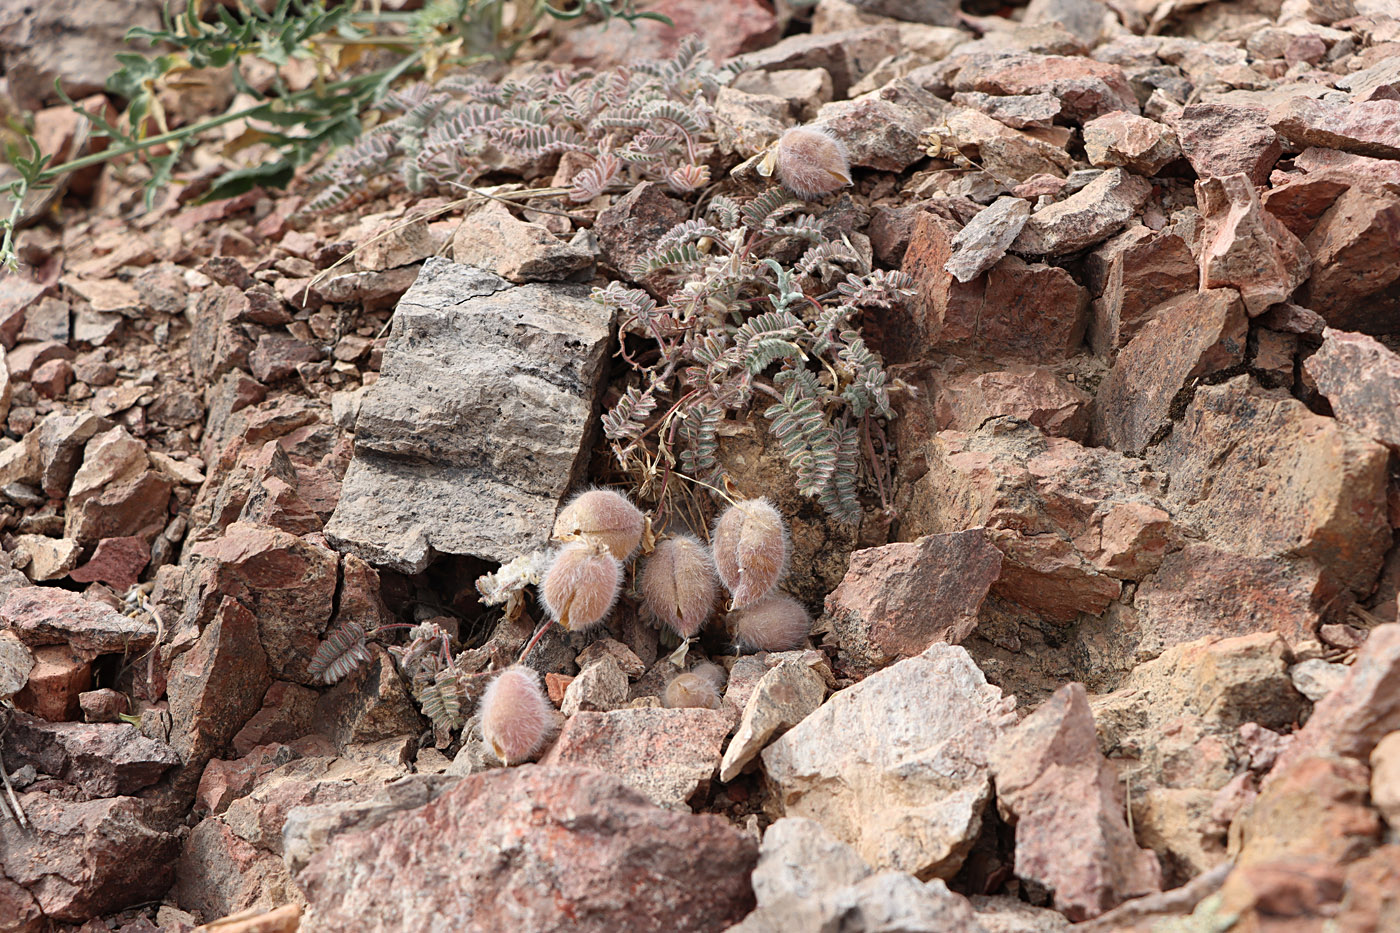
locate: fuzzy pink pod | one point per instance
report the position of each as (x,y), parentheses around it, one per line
(678,585)
(581,585)
(602,515)
(750,547)
(812,162)
(516,716)
(778,623)
(691,690)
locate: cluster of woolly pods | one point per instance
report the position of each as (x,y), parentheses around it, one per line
(750,546)
(697,688)
(678,585)
(810,160)
(604,516)
(774,623)
(582,584)
(516,716)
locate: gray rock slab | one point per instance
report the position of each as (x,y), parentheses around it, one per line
(479,423)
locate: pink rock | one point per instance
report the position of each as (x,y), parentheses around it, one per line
(118,562)
(277,355)
(1131,276)
(1221,139)
(1369,128)
(1264,476)
(1300,200)
(219,873)
(965,400)
(287,713)
(728,27)
(52,379)
(1361,378)
(223,782)
(56,682)
(1089,216)
(1203,590)
(632,225)
(1128,141)
(847,55)
(1245,247)
(668,755)
(45,615)
(131,506)
(104,705)
(1085,88)
(898,599)
(108,852)
(104,759)
(24,359)
(1355,284)
(590,854)
(1185,340)
(1379,171)
(1016,310)
(1066,803)
(1044,501)
(218,684)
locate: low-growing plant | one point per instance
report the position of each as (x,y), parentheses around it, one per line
(742,311)
(648,120)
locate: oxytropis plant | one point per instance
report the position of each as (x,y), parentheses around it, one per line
(746,322)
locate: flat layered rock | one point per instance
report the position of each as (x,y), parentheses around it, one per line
(478,424)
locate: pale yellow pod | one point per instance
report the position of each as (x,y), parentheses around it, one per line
(516,716)
(750,548)
(603,515)
(777,623)
(678,585)
(581,584)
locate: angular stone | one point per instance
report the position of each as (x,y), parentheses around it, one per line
(882,130)
(137,505)
(102,759)
(1361,380)
(110,457)
(807,880)
(845,55)
(577,836)
(1374,171)
(220,874)
(394,243)
(287,583)
(1088,216)
(1245,247)
(1068,519)
(84,859)
(469,452)
(1355,717)
(980,244)
(277,356)
(1203,590)
(1221,139)
(1017,111)
(1009,154)
(668,755)
(371,705)
(1265,477)
(746,123)
(217,685)
(287,713)
(1024,311)
(728,27)
(1066,803)
(787,694)
(1085,88)
(1184,341)
(896,766)
(118,562)
(103,705)
(1125,140)
(56,679)
(963,401)
(897,600)
(1369,128)
(1385,777)
(1356,284)
(1301,200)
(218,346)
(62,438)
(24,359)
(599,687)
(633,224)
(1314,808)
(1315,678)
(49,558)
(1133,274)
(44,615)
(493,240)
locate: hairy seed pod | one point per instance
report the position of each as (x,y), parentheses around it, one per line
(810,160)
(678,585)
(516,716)
(581,584)
(750,548)
(602,515)
(778,623)
(712,672)
(691,690)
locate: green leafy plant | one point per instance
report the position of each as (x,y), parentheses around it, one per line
(746,322)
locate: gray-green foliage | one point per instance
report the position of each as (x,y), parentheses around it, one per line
(742,313)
